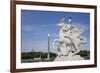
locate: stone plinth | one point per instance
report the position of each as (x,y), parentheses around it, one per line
(67,58)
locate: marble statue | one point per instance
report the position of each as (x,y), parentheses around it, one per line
(70,38)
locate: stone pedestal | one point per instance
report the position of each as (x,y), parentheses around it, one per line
(69,57)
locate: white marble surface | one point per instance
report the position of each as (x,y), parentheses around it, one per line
(70,37)
(67,58)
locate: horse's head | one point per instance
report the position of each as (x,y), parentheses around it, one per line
(61,23)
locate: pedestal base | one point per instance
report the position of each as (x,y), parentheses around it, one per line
(67,58)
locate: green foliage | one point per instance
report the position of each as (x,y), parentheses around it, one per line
(84,53)
(26,56)
(32,55)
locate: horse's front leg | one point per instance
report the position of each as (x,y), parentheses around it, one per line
(77,49)
(60,46)
(68,50)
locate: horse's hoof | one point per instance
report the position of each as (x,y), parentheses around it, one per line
(66,55)
(73,54)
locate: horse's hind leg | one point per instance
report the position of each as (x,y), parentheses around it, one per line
(77,50)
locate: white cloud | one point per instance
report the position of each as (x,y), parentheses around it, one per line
(27,28)
(35,45)
(32,27)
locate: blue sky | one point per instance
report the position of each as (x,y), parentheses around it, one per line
(37,24)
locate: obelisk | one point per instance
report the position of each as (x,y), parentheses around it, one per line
(48,47)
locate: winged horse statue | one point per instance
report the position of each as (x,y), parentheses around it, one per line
(70,38)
